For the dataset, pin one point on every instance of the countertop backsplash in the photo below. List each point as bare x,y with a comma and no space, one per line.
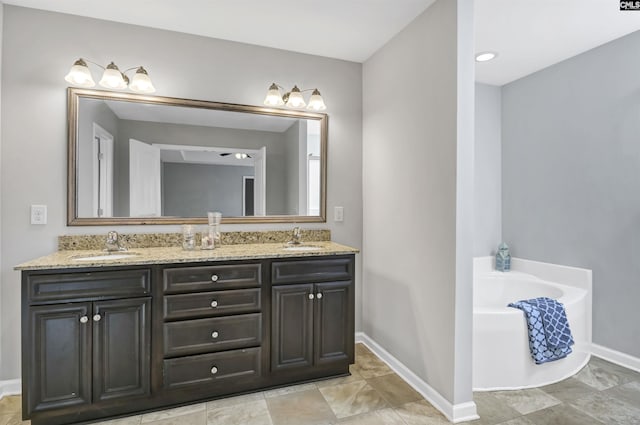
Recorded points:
163,240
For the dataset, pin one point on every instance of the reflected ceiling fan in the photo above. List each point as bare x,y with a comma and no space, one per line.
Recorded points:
238,155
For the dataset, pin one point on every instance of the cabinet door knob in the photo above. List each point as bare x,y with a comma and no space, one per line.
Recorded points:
96,317
214,334
214,277
319,295
311,296
214,304
84,319
214,370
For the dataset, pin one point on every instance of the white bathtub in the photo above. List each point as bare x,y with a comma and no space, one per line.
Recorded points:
501,357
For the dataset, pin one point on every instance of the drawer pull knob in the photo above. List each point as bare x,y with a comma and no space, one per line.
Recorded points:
214,370
97,317
214,304
214,334
214,278
319,295
311,296
84,319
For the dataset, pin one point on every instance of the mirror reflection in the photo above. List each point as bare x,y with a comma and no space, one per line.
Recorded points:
136,158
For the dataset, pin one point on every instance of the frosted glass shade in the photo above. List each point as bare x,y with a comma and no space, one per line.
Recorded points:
112,78
295,98
79,75
141,83
273,96
316,103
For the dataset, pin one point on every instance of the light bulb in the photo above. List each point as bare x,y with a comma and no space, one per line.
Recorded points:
315,101
112,78
79,75
273,96
241,155
295,98
141,83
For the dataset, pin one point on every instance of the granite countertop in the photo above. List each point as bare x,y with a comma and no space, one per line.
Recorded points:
168,255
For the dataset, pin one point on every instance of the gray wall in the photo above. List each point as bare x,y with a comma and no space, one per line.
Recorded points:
488,170
410,178
92,112
3,329
38,50
178,134
571,179
191,190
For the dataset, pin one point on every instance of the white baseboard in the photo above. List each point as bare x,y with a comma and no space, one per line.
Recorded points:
455,413
616,357
10,387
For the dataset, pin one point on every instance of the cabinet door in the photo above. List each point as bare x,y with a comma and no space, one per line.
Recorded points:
291,326
59,359
121,348
334,322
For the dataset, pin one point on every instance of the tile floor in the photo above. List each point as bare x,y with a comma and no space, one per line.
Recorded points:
600,394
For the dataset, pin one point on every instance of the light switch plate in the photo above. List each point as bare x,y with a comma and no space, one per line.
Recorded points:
338,213
38,214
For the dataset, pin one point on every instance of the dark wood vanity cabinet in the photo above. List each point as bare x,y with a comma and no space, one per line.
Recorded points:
89,348
107,341
312,322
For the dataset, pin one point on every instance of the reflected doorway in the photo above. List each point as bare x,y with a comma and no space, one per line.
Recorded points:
248,196
102,172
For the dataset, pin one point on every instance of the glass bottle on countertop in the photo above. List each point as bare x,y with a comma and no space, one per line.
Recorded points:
211,235
188,237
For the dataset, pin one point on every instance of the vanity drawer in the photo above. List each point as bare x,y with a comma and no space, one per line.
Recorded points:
88,285
215,334
311,270
205,304
198,279
228,366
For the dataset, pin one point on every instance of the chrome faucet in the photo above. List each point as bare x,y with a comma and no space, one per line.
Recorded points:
296,236
112,244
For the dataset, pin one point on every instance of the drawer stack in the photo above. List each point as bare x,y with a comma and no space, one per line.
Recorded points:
212,324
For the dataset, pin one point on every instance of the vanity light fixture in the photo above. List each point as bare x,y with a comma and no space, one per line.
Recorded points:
112,77
293,98
485,56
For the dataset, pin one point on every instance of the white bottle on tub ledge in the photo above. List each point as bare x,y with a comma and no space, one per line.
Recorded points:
503,258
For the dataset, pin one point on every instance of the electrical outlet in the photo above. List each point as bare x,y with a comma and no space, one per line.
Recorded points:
38,214
338,213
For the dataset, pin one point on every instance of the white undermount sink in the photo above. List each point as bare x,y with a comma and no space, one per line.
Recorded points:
98,257
302,248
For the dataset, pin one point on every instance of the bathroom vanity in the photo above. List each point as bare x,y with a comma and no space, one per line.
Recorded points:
167,327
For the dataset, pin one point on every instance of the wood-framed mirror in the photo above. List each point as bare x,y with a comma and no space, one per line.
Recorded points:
138,159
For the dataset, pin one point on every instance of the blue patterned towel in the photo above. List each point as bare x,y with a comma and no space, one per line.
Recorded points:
549,334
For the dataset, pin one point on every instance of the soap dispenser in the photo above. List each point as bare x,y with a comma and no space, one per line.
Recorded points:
503,258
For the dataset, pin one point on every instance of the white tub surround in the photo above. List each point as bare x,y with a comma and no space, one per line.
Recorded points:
501,356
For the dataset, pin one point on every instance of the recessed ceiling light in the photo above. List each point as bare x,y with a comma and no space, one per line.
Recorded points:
485,56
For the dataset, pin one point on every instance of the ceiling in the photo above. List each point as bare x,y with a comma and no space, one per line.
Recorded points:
527,34
345,29
170,114
204,155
